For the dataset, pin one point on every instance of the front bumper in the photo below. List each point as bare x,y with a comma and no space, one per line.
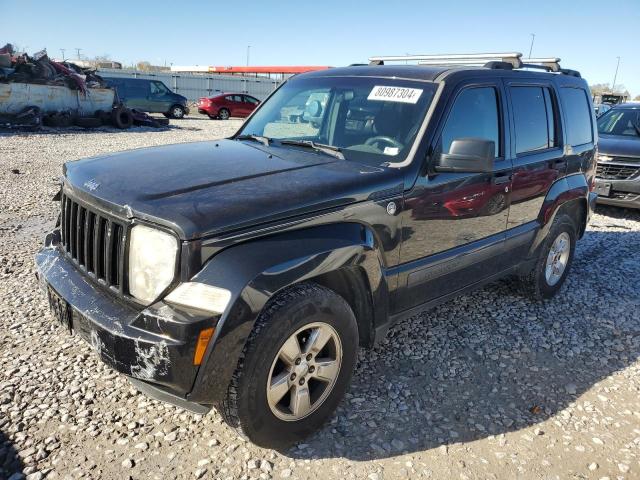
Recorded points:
154,344
622,193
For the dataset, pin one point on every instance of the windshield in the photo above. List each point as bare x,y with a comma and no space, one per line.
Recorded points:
620,121
367,119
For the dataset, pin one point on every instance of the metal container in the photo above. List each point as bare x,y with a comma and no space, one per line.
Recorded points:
53,98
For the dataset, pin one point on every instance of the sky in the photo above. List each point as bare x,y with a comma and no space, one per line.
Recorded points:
584,34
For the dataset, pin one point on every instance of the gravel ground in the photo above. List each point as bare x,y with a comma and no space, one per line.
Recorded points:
489,385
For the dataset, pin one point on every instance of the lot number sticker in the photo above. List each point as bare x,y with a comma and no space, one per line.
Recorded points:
395,94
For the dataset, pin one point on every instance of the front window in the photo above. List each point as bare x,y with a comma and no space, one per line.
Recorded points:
374,119
624,122
473,115
158,88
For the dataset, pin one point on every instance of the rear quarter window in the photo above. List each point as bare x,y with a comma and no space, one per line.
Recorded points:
577,114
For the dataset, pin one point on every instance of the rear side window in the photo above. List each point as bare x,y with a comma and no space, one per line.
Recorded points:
473,115
534,118
578,116
137,88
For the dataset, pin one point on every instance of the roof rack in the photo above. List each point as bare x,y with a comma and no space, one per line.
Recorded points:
505,61
455,59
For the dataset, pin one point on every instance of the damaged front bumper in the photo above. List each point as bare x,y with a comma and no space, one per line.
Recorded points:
153,345
618,193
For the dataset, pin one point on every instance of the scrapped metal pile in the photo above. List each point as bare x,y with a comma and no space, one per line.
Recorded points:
36,90
40,69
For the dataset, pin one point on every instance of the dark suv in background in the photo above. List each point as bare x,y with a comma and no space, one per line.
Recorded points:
618,174
243,274
151,96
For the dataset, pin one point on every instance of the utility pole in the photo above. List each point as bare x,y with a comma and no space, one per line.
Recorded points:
63,50
615,77
78,50
246,84
533,38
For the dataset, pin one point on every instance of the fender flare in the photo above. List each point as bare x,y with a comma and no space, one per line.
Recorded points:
567,189
257,270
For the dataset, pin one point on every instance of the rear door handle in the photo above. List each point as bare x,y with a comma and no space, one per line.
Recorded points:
499,179
559,164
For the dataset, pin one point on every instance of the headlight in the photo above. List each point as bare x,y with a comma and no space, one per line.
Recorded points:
198,295
152,262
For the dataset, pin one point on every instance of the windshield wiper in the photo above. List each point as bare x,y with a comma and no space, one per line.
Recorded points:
256,138
318,147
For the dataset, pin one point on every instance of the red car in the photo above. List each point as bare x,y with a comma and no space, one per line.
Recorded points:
227,105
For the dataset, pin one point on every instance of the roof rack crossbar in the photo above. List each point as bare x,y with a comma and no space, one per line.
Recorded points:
552,64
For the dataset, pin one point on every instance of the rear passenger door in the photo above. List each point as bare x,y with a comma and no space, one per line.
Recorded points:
537,152
232,103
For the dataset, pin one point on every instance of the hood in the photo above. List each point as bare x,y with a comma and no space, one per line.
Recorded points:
619,146
206,188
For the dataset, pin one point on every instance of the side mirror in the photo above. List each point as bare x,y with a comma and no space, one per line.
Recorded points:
472,155
313,109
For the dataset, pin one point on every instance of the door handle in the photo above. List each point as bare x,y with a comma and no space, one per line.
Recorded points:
559,164
500,179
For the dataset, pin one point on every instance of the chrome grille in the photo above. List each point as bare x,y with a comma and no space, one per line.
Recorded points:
95,242
611,171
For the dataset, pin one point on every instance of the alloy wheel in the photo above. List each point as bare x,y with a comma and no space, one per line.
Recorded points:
557,258
304,371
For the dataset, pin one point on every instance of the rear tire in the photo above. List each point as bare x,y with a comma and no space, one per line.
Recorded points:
311,381
554,260
224,114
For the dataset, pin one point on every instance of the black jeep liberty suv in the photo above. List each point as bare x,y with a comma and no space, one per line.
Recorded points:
244,274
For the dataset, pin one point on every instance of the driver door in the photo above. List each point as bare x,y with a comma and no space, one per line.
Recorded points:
454,222
159,99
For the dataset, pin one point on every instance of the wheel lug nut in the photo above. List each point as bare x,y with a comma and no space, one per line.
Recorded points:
298,361
293,376
301,382
309,357
312,369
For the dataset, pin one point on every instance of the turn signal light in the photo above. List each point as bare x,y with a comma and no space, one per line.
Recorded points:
201,346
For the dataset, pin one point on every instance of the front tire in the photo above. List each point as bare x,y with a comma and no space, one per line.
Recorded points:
295,368
554,260
177,111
